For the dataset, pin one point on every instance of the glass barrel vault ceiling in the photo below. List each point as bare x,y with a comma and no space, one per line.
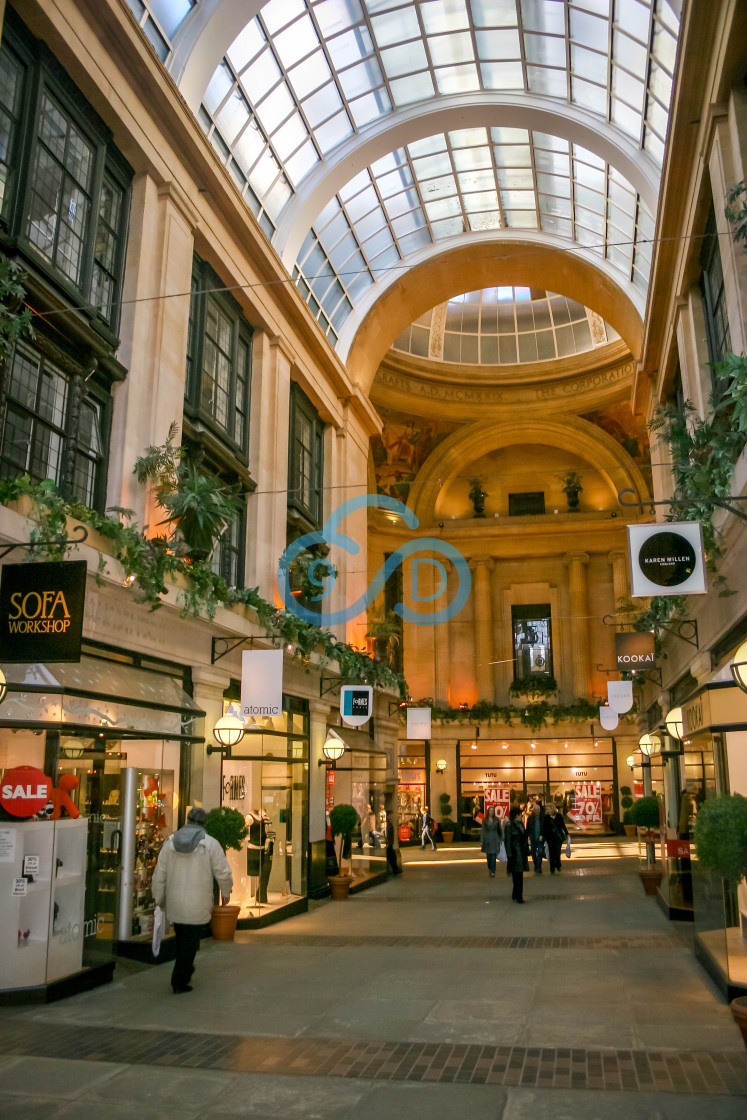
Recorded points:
505,326
306,75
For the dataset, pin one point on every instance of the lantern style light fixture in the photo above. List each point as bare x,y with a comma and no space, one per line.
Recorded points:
630,761
739,667
3,686
441,765
649,744
229,730
675,722
334,747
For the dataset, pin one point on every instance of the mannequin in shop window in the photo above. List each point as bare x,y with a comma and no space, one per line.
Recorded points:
259,851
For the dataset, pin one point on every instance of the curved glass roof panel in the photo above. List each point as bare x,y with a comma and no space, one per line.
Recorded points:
505,326
462,182
304,75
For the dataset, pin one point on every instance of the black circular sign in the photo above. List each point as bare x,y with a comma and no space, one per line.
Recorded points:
667,559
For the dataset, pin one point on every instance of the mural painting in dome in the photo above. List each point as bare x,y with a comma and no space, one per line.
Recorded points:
630,432
401,449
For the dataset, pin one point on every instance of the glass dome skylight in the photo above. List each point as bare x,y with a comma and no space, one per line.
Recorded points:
505,326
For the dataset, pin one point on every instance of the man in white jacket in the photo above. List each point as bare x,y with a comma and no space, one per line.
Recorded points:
183,885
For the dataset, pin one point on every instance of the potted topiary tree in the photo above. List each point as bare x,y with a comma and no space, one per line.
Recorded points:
626,801
447,824
342,819
721,844
645,813
230,829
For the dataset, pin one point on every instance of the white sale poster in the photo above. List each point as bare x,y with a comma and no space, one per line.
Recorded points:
587,809
500,799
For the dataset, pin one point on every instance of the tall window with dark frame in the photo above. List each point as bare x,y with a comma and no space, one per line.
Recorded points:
306,459
532,636
713,293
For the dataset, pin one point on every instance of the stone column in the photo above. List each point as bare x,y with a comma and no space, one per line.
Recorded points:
267,509
209,684
619,563
442,652
577,562
483,623
154,328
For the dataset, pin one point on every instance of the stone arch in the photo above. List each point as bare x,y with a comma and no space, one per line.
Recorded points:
570,433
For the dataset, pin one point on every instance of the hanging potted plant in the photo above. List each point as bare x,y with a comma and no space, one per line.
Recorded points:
571,488
477,496
721,844
229,828
645,813
342,819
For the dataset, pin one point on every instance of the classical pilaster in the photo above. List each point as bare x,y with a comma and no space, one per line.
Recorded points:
267,508
208,686
483,628
442,652
619,564
576,562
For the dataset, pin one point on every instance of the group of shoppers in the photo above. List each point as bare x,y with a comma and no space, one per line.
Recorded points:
542,834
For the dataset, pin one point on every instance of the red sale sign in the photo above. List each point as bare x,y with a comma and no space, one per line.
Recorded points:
587,809
500,799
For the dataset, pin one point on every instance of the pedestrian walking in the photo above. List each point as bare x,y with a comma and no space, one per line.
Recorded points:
391,855
490,838
555,833
535,832
517,854
428,830
183,885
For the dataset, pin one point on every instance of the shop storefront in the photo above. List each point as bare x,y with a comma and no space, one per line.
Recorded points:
413,791
714,762
266,777
361,779
113,733
576,774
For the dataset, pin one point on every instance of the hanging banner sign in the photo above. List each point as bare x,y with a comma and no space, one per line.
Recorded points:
418,723
587,808
607,717
667,559
620,695
261,683
635,650
41,611
500,799
356,704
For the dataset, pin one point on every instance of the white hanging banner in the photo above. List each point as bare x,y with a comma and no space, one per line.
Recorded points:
667,559
620,695
418,723
261,683
607,717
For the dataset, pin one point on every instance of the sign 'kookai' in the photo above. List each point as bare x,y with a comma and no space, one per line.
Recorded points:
41,611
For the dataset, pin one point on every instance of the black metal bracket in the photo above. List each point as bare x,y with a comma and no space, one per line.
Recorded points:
211,749
684,503
229,647
610,620
78,536
691,640
329,684
639,674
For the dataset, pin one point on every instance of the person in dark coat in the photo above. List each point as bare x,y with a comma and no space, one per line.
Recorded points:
517,851
490,838
536,834
391,854
555,833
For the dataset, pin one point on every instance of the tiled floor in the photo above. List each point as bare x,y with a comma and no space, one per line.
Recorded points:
587,1002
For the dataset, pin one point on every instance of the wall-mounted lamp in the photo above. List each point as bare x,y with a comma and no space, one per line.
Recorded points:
441,765
739,667
228,731
630,761
649,744
334,748
675,722
3,686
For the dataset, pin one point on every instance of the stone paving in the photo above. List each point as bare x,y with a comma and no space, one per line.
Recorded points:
430,996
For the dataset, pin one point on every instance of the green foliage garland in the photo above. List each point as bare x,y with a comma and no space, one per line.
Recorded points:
534,716
721,836
533,686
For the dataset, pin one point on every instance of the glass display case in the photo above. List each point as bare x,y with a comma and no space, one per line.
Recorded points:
147,820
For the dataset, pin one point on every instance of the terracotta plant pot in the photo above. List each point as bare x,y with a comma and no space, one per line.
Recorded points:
339,885
448,837
223,921
629,829
739,1011
651,878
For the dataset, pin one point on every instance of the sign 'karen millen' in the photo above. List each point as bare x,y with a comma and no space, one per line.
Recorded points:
41,611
